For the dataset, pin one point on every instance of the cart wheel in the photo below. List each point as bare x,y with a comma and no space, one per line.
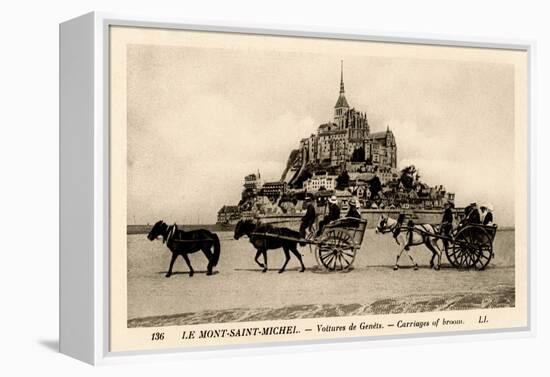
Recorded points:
447,246
451,255
336,251
463,254
472,247
484,246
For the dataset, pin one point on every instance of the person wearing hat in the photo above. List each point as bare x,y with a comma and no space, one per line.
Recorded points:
487,214
309,218
333,214
468,209
447,220
353,211
471,214
474,217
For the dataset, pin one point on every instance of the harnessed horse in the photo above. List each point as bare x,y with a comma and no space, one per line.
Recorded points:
407,236
182,243
262,243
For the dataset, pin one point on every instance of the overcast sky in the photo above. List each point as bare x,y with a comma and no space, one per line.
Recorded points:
200,119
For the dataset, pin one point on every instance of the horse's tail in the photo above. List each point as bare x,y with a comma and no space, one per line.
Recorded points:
216,254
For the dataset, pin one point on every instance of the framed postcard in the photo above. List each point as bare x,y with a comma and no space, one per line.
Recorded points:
227,187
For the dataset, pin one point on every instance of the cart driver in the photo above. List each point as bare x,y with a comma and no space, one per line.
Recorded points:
447,220
309,218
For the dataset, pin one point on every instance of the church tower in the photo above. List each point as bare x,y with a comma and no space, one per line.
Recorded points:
341,107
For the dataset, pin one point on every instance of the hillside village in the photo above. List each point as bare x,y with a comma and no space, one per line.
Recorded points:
343,158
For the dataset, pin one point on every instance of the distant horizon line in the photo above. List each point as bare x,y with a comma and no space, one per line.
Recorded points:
500,227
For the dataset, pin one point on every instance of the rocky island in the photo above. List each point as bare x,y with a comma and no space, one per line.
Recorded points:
345,158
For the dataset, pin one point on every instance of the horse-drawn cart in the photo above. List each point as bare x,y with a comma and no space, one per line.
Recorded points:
468,246
337,245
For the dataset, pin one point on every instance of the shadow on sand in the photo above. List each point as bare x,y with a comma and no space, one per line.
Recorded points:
186,272
291,269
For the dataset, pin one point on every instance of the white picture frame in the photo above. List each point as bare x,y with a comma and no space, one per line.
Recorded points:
84,185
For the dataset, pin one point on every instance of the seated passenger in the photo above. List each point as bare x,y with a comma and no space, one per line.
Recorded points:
333,214
487,214
471,215
354,209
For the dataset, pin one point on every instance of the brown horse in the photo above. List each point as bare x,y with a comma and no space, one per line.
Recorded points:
182,243
262,243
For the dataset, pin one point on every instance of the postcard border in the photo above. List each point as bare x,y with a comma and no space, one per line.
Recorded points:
102,161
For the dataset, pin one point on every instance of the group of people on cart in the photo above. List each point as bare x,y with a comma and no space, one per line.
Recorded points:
333,214
472,215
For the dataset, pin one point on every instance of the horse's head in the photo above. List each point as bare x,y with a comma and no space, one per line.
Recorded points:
382,223
157,230
243,227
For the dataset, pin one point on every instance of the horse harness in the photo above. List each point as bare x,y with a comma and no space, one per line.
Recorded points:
170,233
410,228
171,236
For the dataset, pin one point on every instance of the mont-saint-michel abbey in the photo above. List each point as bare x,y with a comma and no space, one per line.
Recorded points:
345,158
346,143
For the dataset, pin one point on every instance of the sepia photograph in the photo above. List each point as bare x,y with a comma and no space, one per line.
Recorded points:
270,178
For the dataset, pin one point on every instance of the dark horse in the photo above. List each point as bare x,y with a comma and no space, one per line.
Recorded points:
182,243
264,243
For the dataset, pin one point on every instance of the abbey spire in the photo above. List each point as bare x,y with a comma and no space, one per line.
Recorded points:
342,105
341,77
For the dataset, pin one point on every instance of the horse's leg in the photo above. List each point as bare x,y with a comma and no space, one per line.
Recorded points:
287,258
258,253
191,271
439,252
412,260
264,252
408,248
208,253
396,267
299,256
429,245
174,257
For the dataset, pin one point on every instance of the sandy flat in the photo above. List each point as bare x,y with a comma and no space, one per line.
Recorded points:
239,291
